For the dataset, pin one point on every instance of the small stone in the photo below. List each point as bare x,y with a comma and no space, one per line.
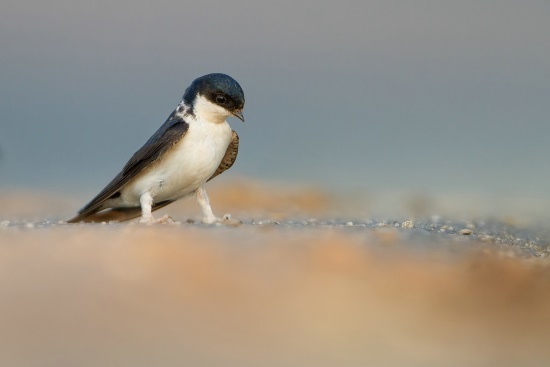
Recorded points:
5,223
407,224
466,231
349,224
29,225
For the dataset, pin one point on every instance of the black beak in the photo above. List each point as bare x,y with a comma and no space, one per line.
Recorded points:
239,114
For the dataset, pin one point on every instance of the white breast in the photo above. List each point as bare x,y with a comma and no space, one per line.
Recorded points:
185,167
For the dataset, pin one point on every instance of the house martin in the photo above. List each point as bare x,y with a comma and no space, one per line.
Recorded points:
193,146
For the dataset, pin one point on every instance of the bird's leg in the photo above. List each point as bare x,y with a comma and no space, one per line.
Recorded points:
146,201
204,203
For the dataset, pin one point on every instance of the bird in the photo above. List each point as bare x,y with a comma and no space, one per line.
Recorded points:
194,145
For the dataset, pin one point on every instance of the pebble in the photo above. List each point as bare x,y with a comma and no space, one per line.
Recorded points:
349,224
466,231
407,224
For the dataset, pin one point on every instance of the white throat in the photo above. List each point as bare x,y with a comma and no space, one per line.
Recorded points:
205,110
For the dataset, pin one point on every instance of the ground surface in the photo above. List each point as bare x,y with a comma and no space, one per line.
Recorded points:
273,291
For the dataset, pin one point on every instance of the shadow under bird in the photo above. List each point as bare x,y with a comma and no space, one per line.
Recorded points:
193,146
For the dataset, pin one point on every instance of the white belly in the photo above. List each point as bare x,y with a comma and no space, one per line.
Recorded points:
185,167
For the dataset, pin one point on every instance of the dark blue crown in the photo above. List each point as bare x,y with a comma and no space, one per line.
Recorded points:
213,84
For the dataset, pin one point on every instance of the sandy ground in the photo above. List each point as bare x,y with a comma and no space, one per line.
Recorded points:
261,294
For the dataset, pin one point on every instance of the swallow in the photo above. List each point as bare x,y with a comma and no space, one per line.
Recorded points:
193,146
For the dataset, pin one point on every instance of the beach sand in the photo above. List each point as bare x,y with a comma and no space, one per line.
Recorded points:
270,292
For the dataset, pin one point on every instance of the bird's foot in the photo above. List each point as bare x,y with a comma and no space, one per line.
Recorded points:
152,220
226,220
210,219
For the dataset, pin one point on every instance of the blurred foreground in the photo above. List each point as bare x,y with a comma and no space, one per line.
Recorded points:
262,294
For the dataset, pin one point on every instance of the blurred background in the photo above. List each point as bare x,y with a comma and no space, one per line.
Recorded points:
442,100
353,108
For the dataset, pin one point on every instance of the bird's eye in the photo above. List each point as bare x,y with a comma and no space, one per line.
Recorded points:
220,99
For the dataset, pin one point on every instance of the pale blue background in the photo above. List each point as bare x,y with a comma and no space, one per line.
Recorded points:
436,96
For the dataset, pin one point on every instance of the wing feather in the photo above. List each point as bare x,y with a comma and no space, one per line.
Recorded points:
164,138
230,155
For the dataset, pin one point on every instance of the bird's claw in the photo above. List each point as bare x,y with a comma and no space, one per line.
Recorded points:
150,220
225,220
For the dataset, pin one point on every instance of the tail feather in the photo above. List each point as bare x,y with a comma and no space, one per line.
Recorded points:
115,214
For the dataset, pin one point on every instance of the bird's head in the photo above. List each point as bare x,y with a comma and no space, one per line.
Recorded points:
215,97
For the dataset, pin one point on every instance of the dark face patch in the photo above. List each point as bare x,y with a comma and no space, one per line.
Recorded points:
224,100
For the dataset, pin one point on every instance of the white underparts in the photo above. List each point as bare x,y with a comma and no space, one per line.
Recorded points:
186,167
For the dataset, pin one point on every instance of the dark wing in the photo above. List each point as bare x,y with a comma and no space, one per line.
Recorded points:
116,214
162,140
230,155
